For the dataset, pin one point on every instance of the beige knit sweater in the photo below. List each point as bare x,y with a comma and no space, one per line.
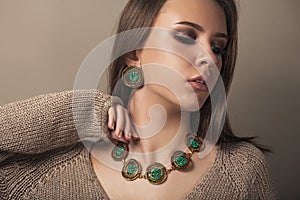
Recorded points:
42,157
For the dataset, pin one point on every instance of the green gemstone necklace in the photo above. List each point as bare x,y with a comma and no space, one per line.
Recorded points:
156,173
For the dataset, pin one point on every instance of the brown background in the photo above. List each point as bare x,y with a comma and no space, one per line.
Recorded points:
43,42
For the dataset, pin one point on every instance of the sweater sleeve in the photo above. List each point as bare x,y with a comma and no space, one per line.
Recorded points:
50,121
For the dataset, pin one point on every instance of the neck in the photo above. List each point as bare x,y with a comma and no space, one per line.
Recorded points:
162,126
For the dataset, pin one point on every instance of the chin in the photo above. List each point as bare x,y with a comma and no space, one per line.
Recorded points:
191,106
191,103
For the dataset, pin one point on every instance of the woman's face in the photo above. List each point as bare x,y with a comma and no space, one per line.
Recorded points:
196,27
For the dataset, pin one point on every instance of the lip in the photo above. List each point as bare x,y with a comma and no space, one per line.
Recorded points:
197,78
198,85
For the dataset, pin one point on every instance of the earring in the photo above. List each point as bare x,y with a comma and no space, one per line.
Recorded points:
133,77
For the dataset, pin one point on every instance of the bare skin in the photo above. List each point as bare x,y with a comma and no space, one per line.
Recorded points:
211,18
178,185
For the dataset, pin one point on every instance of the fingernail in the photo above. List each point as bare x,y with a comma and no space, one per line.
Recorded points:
120,135
136,138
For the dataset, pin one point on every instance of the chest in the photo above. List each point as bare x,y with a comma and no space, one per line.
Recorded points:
178,185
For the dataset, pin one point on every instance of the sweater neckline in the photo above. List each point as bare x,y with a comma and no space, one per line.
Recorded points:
216,163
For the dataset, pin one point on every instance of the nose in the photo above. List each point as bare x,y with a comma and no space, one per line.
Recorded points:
204,63
202,59
205,56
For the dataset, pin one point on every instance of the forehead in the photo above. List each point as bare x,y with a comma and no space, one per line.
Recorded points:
206,13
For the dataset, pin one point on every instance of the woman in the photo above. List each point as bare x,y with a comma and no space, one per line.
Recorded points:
42,158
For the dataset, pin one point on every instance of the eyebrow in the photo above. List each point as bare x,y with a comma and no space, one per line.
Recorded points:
200,28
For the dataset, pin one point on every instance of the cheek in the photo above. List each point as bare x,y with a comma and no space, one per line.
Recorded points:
219,63
150,56
162,57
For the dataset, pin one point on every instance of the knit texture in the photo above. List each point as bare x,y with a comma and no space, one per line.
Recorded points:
42,156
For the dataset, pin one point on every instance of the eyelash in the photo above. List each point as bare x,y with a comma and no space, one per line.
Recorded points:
190,39
218,51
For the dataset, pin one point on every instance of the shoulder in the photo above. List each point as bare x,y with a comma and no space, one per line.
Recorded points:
244,162
243,152
247,168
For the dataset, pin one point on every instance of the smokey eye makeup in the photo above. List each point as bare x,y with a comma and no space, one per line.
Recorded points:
187,37
217,48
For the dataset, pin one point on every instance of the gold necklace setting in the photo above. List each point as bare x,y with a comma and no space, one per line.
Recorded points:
156,173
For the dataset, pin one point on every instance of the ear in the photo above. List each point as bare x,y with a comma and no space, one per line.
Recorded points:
132,58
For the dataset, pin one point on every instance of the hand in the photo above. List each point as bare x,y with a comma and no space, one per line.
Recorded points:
120,124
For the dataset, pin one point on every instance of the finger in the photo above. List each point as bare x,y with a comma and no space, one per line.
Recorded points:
127,126
135,136
133,129
118,135
122,139
119,123
120,119
127,136
121,136
134,132
130,132
111,118
118,132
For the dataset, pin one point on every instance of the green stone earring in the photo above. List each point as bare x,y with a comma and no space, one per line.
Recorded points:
133,77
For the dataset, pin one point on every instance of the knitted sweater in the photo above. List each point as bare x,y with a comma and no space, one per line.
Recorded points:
42,156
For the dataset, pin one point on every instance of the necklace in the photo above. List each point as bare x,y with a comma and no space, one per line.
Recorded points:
156,173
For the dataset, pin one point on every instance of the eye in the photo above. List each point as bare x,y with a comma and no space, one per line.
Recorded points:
189,39
217,50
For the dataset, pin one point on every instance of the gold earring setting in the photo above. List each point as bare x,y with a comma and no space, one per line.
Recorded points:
133,77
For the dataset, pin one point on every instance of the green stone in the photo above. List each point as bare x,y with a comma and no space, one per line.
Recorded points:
131,169
156,173
133,76
194,143
120,151
181,161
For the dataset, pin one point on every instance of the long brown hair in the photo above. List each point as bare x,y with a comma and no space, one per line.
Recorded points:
142,13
